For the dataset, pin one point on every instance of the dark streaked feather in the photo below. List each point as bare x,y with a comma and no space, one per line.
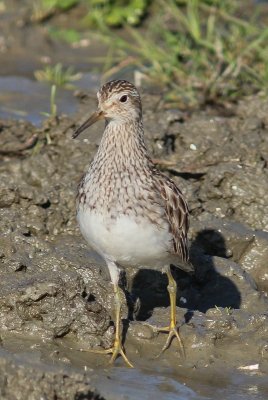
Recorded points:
177,213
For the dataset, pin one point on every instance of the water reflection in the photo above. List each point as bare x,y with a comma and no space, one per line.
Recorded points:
23,98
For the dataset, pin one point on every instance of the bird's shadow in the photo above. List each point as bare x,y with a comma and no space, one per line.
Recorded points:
206,289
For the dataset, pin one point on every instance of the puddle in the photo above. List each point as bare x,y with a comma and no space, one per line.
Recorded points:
148,382
127,384
23,98
123,383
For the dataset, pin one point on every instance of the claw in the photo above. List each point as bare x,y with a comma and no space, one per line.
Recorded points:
116,350
172,332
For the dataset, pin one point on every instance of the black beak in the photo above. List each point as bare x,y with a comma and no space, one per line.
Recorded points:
94,118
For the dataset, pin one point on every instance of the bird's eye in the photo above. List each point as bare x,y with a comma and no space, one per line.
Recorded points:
123,99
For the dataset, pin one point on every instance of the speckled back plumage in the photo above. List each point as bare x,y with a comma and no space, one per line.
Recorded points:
122,181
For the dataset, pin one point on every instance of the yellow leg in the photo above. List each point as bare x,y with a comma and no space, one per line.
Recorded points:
172,329
117,347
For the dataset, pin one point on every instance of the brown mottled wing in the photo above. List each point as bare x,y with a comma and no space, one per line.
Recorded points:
81,195
177,213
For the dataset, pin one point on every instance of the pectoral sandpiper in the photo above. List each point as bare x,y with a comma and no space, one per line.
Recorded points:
128,211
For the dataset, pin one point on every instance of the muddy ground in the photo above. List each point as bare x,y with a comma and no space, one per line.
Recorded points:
55,295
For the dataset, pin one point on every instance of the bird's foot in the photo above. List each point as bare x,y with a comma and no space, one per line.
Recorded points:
172,331
115,350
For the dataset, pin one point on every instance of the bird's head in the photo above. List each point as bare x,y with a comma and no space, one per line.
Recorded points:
118,101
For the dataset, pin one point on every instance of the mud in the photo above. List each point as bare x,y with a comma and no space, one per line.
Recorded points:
56,300
55,295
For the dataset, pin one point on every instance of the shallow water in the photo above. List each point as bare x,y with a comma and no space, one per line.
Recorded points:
147,381
23,98
122,383
144,384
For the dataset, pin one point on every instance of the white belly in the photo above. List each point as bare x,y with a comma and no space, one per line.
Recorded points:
125,240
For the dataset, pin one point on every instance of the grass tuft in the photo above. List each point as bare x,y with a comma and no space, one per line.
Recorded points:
58,76
200,50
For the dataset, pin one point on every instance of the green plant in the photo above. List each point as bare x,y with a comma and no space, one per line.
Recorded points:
58,75
200,50
60,4
43,9
67,35
53,105
226,310
53,109
115,13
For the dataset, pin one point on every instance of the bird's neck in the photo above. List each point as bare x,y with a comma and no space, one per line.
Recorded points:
122,145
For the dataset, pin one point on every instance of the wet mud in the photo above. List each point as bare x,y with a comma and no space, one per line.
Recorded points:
56,300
